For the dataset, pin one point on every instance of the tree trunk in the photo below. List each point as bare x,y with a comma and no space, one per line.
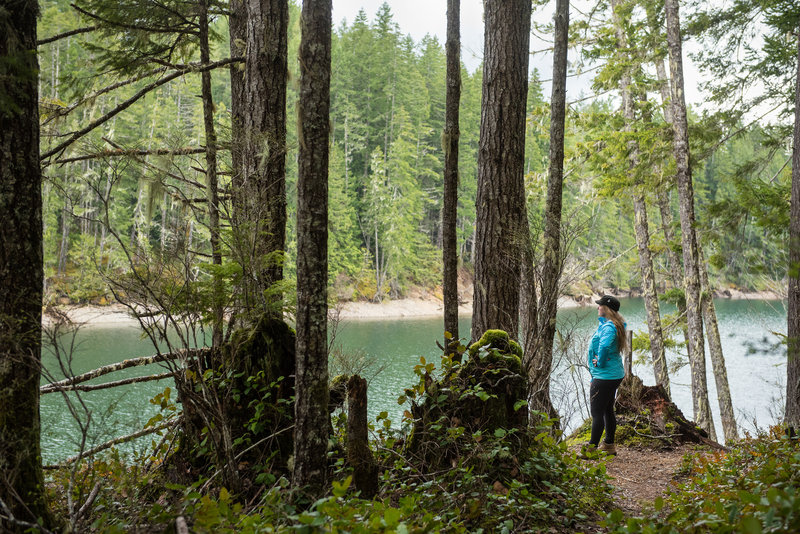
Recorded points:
793,327
450,145
21,270
641,229
501,192
694,319
640,224
715,349
264,152
211,174
539,317
237,29
311,405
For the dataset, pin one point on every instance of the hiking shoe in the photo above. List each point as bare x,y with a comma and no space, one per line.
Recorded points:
608,448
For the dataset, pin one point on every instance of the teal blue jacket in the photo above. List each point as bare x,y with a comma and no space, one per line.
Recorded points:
605,348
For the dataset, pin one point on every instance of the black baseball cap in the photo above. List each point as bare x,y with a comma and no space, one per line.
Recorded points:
608,300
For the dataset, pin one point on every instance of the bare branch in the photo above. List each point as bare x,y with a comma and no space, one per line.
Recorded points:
139,94
108,89
8,516
115,441
124,364
54,38
94,387
131,152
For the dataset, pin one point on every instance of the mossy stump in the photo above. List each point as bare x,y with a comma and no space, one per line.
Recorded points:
648,419
245,386
484,393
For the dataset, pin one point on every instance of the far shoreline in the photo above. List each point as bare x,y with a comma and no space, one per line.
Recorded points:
429,306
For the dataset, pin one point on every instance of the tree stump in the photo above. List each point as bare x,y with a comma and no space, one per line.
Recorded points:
359,455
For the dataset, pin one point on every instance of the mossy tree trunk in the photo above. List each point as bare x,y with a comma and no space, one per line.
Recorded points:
311,383
694,319
21,269
211,173
500,200
263,159
450,145
726,414
237,31
640,223
793,327
539,316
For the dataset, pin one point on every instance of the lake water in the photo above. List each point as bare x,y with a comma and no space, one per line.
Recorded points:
749,329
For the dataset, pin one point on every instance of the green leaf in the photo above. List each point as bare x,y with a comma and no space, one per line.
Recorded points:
750,525
392,517
340,488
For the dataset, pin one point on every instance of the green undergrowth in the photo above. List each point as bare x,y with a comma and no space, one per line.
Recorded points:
751,489
501,480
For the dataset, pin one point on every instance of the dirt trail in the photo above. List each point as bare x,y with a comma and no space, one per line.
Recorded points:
640,476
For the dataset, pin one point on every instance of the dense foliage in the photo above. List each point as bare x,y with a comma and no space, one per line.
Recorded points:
386,167
753,488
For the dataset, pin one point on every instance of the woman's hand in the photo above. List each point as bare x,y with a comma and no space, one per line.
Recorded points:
594,362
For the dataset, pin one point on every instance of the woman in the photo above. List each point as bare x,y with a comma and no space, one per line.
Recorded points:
605,365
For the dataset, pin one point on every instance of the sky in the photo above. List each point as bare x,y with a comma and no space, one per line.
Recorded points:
421,17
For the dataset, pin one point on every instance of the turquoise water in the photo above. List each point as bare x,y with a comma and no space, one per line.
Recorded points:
749,328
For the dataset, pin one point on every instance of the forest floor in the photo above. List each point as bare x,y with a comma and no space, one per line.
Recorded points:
641,476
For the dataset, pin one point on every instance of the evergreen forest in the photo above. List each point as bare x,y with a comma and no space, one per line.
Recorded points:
233,173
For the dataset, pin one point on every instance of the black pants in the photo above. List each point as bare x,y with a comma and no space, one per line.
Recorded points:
602,395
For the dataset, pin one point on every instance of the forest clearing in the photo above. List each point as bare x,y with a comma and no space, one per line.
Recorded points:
233,182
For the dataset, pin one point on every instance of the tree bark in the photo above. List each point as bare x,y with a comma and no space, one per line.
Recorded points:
450,145
311,405
702,409
211,174
793,326
237,30
720,372
359,455
501,192
539,316
640,225
641,229
263,158
21,269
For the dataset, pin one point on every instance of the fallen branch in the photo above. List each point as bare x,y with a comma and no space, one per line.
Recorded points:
124,364
111,443
51,388
88,504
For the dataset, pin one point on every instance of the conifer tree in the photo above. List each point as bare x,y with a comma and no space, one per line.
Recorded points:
22,492
500,231
702,410
450,140
311,381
